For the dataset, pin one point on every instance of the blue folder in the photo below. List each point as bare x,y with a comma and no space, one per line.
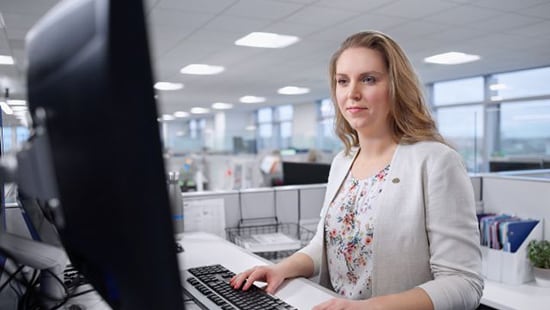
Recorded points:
518,232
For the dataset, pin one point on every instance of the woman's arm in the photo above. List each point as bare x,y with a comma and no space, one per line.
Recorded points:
414,299
453,234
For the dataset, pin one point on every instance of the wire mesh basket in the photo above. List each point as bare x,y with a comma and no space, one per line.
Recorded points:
271,241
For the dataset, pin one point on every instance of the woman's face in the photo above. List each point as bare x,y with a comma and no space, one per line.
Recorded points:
362,90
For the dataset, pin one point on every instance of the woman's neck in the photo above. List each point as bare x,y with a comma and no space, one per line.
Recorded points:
374,155
375,147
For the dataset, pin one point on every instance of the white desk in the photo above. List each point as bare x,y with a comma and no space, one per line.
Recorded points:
207,249
526,296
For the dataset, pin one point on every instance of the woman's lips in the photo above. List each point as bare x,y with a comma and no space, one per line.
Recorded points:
353,110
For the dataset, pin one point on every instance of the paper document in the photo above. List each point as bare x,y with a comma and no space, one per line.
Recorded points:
268,242
206,215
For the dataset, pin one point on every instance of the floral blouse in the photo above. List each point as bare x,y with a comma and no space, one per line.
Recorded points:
349,227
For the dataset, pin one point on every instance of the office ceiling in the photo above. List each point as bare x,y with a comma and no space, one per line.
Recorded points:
507,34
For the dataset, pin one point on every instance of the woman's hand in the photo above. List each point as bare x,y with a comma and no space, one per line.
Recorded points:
341,304
270,274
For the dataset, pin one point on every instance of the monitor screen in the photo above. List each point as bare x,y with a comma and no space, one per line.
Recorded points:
91,98
297,173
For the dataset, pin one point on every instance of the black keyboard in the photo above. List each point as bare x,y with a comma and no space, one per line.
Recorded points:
213,282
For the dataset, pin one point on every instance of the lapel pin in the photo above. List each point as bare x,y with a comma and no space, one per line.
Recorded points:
395,180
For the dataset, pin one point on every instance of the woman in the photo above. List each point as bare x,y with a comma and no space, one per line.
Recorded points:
398,228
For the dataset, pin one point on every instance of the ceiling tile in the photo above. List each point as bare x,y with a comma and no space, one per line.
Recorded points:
505,21
354,5
205,6
238,25
462,15
321,17
264,9
178,18
542,10
414,9
511,6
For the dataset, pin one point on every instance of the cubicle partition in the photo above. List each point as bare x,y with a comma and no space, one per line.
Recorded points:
522,194
217,210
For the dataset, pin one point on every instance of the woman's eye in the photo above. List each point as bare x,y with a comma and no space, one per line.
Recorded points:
341,81
369,80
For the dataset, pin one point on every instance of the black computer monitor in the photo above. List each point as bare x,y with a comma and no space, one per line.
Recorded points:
90,94
297,173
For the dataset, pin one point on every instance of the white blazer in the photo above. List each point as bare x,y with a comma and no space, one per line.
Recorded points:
426,231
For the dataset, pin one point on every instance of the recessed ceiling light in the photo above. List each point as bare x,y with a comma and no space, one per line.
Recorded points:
6,60
250,128
18,108
451,58
6,108
498,86
496,98
251,99
201,69
181,114
167,117
199,110
168,86
13,102
266,40
221,106
293,90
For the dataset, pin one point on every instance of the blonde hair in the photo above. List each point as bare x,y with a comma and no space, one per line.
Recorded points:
409,118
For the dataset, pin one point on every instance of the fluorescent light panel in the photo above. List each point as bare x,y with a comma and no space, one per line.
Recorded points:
202,69
168,86
199,110
293,90
6,60
221,106
267,40
181,114
251,99
451,58
14,102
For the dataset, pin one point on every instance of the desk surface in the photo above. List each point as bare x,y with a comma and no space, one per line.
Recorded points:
511,297
206,249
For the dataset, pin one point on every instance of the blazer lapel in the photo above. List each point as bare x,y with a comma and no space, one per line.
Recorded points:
339,174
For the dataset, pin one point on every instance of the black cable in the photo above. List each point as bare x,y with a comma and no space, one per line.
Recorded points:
30,296
82,293
11,277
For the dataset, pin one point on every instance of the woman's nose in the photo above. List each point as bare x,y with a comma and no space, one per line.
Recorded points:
354,92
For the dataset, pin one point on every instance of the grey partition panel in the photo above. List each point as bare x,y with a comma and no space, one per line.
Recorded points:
231,204
525,198
476,183
258,203
287,205
311,201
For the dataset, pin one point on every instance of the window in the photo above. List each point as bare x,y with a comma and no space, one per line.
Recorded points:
465,135
460,122
275,127
284,116
458,91
13,137
6,139
265,128
326,138
520,84
525,129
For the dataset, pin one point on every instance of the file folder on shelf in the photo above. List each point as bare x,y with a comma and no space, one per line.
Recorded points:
510,267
